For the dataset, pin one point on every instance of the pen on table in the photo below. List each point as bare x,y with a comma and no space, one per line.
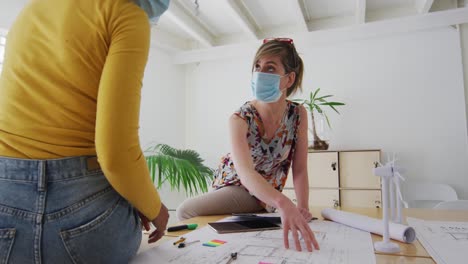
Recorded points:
232,257
182,227
184,244
181,239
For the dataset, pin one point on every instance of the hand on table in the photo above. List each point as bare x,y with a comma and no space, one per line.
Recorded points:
294,220
160,222
305,213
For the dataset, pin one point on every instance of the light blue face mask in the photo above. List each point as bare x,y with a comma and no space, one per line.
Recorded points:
153,8
265,86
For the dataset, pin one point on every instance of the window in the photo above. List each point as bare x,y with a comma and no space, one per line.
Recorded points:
2,49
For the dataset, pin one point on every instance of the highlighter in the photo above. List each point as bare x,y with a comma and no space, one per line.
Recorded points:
182,227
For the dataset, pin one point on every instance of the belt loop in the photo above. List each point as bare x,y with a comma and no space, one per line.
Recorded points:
41,181
92,164
83,165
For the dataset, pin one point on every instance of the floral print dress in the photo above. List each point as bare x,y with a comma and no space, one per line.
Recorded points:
271,158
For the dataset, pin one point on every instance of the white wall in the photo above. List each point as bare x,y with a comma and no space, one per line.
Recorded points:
404,94
464,52
162,111
162,103
8,12
214,90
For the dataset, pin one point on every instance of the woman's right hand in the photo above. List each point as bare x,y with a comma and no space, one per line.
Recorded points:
293,220
305,213
160,222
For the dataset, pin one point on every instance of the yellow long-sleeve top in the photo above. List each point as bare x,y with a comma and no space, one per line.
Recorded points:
71,86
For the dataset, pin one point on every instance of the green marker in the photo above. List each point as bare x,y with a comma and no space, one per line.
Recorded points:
182,227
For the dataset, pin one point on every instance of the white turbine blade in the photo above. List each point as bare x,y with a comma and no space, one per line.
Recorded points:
398,169
398,191
405,204
399,176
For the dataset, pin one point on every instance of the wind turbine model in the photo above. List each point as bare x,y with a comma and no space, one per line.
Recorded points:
390,184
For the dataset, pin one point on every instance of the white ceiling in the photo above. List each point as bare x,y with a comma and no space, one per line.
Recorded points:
195,24
191,25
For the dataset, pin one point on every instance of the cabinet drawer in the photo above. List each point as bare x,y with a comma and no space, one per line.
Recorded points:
356,169
324,197
361,198
317,197
322,168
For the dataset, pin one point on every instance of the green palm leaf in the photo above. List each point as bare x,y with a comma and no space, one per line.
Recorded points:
318,102
321,98
179,168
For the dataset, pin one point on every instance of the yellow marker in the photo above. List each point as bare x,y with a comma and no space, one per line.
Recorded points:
181,239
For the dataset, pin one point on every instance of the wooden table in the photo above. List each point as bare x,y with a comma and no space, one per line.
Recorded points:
415,249
410,253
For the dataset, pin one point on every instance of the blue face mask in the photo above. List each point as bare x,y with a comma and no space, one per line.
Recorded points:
265,87
153,8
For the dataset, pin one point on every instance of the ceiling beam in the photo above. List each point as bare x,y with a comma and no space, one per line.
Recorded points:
167,41
188,24
242,19
423,6
337,35
390,27
216,53
301,14
360,12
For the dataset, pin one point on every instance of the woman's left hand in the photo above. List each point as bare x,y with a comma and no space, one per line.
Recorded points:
160,223
305,213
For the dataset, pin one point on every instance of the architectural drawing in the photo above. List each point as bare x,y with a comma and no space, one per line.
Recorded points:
446,242
457,232
338,244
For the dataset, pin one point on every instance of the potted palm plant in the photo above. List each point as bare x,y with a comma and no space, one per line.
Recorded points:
179,168
315,104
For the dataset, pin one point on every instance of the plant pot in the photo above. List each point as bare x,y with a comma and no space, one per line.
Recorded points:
319,145
319,132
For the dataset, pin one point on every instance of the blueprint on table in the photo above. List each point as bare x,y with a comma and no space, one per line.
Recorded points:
446,242
338,244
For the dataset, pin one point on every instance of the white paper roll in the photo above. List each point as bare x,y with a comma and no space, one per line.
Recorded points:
399,232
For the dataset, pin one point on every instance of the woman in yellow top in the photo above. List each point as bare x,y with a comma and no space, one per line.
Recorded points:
72,174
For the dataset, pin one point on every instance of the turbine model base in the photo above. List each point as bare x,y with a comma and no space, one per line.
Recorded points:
386,247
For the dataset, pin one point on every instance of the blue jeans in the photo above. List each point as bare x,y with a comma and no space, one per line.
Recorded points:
63,211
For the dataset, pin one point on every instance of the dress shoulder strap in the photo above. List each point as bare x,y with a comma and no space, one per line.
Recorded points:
246,112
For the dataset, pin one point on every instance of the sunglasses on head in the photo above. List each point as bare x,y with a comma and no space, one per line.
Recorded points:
287,40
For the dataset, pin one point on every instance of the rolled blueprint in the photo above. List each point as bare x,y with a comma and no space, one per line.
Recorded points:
399,232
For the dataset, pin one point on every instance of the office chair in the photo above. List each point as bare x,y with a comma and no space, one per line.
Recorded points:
453,205
426,194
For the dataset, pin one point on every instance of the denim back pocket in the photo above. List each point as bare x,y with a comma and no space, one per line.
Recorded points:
7,237
112,237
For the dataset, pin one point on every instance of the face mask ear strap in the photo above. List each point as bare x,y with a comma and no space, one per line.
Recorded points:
153,8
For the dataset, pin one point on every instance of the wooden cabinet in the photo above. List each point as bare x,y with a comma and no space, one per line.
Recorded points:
341,178
317,197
